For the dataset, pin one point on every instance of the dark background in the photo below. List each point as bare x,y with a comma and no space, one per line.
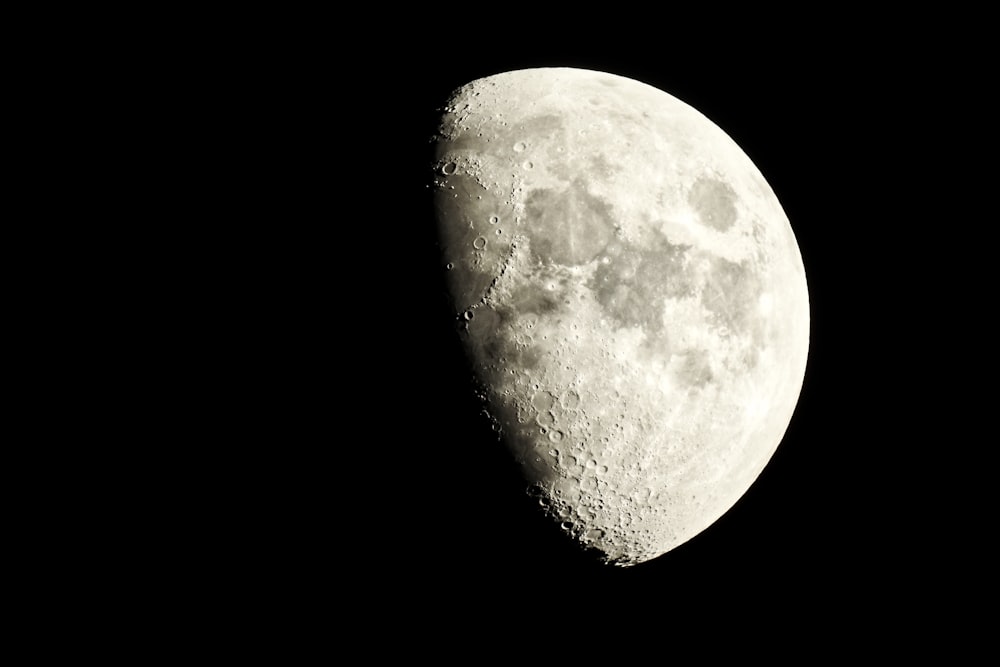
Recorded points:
371,484
288,454
842,513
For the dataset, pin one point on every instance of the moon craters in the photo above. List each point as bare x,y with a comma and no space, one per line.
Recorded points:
571,399
633,305
543,401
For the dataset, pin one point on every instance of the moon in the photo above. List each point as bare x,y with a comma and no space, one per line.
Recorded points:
630,296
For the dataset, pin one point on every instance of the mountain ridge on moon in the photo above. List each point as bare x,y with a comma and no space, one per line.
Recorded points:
630,296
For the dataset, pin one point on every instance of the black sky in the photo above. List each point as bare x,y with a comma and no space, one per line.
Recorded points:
854,141
826,510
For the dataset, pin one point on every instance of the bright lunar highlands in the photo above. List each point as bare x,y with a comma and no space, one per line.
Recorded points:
630,295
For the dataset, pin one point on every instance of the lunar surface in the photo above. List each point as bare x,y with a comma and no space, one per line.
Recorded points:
630,295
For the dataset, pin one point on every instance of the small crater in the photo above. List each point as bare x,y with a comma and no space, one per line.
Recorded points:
556,436
449,168
528,165
494,219
520,146
479,243
571,399
543,400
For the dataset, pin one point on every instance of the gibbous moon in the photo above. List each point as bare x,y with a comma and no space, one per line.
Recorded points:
630,295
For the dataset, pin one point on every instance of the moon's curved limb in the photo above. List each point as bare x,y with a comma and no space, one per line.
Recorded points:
632,299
